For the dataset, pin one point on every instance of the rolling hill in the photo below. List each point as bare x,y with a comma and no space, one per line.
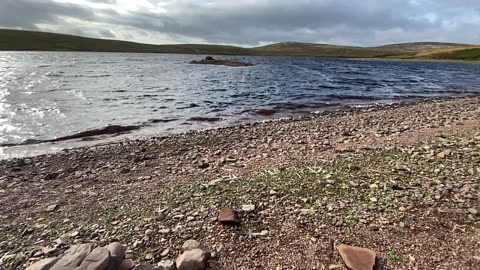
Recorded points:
18,40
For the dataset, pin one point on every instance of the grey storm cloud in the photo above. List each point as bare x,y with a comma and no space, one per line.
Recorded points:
250,22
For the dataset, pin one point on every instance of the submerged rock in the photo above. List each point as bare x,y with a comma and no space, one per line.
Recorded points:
229,63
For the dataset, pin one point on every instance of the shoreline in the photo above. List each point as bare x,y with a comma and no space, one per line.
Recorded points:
337,164
332,111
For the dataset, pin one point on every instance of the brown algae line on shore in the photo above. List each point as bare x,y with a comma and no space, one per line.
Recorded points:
377,177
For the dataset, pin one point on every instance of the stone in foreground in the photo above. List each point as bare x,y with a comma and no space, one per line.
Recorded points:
126,264
357,258
73,257
44,264
116,255
195,259
97,260
228,216
166,265
191,244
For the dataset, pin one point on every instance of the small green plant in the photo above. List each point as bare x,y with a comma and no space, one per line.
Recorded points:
394,257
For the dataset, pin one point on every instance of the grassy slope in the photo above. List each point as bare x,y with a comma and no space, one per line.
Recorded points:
471,53
40,41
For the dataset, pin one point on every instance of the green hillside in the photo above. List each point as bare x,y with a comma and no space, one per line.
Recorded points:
42,41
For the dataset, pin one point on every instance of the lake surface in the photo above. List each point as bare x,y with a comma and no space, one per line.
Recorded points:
45,97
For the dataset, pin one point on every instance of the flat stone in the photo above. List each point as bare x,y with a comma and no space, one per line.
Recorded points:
472,211
164,231
166,265
44,264
127,264
357,258
97,260
248,208
228,216
191,244
195,259
52,208
73,257
117,253
307,212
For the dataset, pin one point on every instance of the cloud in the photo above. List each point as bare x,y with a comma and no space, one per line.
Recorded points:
252,22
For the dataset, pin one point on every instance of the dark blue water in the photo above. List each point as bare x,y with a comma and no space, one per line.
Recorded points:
51,96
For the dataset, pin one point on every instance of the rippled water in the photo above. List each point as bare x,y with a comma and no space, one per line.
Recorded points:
44,96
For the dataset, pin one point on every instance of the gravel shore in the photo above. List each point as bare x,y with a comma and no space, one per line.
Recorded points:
402,180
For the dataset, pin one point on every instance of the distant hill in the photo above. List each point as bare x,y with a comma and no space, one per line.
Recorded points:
471,53
42,41
420,46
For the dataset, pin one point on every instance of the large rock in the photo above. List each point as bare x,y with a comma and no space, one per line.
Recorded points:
97,260
117,253
44,264
195,259
191,244
228,216
73,257
357,258
126,264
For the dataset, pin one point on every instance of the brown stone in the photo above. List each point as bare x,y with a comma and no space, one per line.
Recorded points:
44,264
228,216
357,258
97,260
195,259
73,257
127,264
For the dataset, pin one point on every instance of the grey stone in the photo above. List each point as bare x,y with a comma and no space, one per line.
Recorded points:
127,264
195,259
97,260
144,266
73,257
117,253
191,244
44,264
166,265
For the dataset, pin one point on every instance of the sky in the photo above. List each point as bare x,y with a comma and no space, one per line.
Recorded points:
251,22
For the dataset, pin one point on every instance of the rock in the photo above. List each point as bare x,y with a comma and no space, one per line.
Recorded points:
97,260
52,208
191,244
228,216
73,257
373,199
126,265
441,155
49,250
164,231
373,186
472,211
165,252
209,58
144,266
195,259
117,253
149,256
307,212
51,176
166,265
248,208
44,264
357,258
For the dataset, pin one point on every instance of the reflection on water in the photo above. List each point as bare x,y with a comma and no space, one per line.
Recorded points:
44,96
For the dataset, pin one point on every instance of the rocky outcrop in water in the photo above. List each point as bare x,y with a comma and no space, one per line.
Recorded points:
229,63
